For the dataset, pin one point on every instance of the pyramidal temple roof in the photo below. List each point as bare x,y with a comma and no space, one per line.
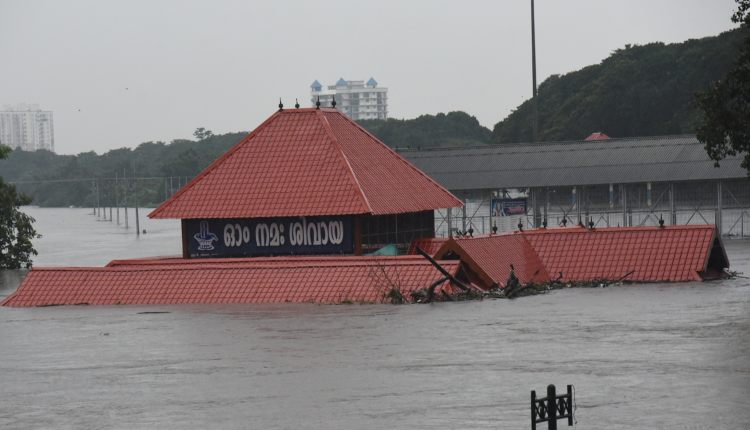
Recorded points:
305,162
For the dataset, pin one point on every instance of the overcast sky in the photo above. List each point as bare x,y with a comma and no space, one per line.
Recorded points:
120,73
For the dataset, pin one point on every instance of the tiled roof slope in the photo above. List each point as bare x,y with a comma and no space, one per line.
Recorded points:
304,162
674,253
430,245
171,281
641,254
490,257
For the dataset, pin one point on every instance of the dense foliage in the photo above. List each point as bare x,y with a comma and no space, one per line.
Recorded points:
72,180
16,228
725,126
429,131
637,91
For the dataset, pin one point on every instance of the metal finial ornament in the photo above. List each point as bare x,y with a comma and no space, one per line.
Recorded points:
281,105
471,232
520,225
317,103
333,102
296,104
564,221
661,221
494,228
544,224
591,224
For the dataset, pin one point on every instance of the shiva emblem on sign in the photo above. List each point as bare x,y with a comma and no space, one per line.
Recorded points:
205,238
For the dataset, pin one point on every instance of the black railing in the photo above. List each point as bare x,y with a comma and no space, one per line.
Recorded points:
552,408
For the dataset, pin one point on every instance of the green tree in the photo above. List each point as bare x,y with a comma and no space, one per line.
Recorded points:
16,229
725,126
201,133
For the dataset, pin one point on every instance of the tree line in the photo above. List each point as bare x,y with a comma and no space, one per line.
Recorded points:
636,91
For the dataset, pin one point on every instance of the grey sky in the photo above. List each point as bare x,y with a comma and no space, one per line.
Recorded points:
223,64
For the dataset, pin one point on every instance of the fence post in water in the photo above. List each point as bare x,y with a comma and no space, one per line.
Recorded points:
551,407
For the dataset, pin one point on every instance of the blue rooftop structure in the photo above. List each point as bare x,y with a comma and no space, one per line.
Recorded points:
372,82
316,86
341,83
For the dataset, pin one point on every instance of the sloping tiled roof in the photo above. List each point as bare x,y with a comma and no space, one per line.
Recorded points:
430,245
173,281
674,253
305,162
597,136
490,257
643,254
550,164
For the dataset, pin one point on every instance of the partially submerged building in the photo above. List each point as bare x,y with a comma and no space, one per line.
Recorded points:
299,209
306,181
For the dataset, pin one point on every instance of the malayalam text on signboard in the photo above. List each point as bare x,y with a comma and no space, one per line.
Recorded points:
270,236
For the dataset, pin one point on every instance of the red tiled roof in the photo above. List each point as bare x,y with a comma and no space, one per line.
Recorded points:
429,245
490,257
172,281
597,136
674,253
304,162
652,254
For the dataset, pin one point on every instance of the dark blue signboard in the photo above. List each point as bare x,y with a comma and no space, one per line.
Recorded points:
269,236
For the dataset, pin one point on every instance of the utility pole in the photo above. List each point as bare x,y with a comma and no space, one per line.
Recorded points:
117,200
534,101
125,199
135,203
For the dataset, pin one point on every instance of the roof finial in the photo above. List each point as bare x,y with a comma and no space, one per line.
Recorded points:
317,103
333,102
281,105
296,104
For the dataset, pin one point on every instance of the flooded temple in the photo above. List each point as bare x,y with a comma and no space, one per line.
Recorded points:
310,207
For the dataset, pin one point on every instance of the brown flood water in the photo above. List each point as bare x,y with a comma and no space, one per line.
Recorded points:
640,356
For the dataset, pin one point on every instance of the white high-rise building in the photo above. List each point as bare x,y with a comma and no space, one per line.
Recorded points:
27,127
357,99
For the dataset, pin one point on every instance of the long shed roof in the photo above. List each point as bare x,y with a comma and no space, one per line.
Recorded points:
610,161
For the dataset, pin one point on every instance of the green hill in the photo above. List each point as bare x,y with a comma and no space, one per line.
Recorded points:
428,131
637,91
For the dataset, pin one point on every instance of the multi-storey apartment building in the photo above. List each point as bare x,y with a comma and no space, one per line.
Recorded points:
357,99
27,127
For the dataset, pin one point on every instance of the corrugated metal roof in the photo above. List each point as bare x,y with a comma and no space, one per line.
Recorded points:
611,161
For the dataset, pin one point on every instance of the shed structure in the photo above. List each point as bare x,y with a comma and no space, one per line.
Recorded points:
627,182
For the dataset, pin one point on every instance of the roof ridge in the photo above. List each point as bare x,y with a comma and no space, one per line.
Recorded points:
402,159
213,165
327,127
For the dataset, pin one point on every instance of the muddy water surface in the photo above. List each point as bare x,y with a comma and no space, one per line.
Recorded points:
640,357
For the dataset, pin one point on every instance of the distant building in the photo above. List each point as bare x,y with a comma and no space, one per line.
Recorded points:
27,127
357,99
